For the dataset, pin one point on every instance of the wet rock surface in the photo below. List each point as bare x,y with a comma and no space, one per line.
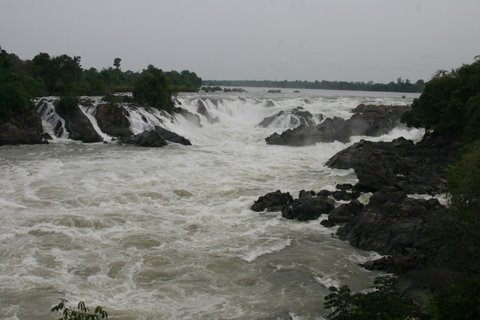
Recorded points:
297,117
368,120
79,127
22,128
113,120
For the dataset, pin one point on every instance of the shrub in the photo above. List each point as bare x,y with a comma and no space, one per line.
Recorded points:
460,301
153,89
385,302
81,313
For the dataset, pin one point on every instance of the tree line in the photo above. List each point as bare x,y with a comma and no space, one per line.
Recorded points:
45,75
399,86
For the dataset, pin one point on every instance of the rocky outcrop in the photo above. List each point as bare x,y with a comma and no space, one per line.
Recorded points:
396,225
414,168
202,109
79,127
346,212
297,117
21,128
308,206
367,120
113,120
273,201
150,138
172,136
191,117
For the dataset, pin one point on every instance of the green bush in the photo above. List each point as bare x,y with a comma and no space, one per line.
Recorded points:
459,228
383,303
153,89
460,301
449,104
80,313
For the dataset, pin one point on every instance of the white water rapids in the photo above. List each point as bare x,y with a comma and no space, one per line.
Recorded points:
167,233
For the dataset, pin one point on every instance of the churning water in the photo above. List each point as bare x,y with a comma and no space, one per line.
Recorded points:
167,233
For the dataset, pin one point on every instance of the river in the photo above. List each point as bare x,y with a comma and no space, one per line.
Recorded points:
167,233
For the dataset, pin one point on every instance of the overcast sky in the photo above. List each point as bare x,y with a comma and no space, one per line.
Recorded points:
352,40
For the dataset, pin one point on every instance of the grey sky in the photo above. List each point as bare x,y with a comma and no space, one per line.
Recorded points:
377,40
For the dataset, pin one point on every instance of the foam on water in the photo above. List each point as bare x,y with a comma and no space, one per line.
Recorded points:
167,233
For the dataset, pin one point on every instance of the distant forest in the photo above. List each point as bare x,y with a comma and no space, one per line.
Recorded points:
399,86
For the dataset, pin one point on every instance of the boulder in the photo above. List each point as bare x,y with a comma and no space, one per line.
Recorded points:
113,120
327,223
21,128
415,168
172,136
79,126
273,201
345,212
308,207
146,139
393,224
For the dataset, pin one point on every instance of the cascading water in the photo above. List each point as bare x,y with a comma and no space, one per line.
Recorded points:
167,233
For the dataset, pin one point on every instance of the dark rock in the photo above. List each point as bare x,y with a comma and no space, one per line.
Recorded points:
22,128
367,120
79,127
202,109
327,223
344,195
172,136
324,193
393,224
345,212
146,139
298,116
416,168
274,91
46,136
193,118
306,194
113,120
309,207
344,186
269,104
382,264
273,201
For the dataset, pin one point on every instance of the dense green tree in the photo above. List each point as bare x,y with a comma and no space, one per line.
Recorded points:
152,89
116,63
58,73
449,103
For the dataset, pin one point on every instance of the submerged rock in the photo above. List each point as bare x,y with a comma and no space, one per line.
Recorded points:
21,128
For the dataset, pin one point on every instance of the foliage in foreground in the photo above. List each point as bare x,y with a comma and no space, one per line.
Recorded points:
80,313
383,303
